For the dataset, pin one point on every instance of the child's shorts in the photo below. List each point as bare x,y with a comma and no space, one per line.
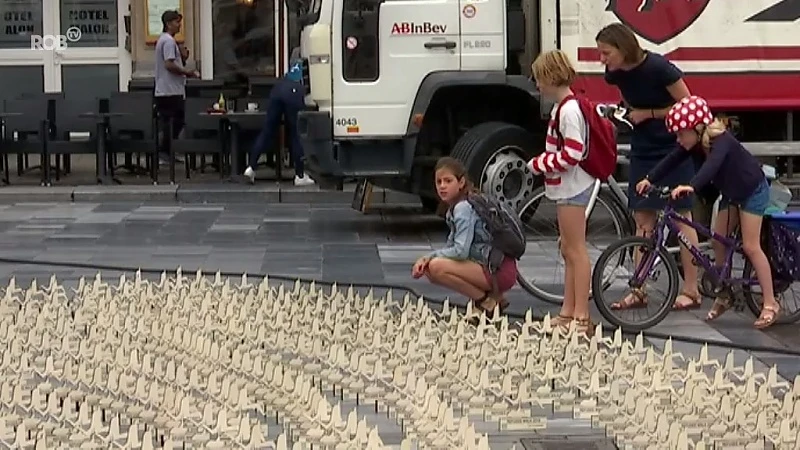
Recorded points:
506,275
756,204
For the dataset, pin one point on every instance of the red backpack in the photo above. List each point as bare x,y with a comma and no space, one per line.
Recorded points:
601,154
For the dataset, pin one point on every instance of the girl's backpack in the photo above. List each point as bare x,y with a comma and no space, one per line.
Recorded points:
503,225
600,159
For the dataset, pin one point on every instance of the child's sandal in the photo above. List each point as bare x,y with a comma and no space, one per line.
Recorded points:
636,299
720,306
560,321
769,315
584,326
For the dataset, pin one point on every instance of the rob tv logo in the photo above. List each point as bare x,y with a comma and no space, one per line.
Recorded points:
55,41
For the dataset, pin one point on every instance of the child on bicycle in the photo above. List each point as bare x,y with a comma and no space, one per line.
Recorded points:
462,265
566,182
737,175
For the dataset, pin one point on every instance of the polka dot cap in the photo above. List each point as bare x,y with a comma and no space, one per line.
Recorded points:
688,113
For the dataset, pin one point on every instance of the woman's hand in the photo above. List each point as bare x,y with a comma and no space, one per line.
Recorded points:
681,191
420,267
638,116
643,186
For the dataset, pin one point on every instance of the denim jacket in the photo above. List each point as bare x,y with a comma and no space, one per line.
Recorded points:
468,239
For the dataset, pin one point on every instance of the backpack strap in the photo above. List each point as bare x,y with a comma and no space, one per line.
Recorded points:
557,121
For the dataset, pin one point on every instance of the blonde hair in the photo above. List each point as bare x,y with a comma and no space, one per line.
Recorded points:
554,68
710,132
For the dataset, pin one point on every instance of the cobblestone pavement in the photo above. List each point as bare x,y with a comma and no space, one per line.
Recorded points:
329,242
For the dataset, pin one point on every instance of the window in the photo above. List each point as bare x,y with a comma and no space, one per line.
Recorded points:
360,40
244,39
19,19
96,20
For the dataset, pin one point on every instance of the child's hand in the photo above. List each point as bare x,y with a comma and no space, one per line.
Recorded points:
681,191
643,186
420,267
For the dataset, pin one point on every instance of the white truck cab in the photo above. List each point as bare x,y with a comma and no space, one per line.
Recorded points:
395,84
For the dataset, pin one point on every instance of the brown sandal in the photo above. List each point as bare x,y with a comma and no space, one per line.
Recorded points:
636,299
584,326
560,321
769,315
720,306
695,302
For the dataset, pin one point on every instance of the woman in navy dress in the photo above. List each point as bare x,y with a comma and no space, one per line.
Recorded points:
649,85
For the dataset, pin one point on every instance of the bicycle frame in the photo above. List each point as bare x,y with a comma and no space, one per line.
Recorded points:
670,221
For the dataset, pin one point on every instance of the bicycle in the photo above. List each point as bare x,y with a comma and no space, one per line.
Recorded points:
653,251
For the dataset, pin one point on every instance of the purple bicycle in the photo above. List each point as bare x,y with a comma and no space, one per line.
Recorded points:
650,254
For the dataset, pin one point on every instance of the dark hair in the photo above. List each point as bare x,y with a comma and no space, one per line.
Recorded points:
621,37
168,16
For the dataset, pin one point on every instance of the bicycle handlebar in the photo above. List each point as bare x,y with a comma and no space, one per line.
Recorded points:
663,192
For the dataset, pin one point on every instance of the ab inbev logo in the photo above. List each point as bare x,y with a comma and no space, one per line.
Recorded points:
55,41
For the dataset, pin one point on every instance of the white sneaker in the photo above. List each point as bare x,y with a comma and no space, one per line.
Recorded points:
305,180
250,174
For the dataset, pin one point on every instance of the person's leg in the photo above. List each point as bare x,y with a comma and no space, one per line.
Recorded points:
267,134
293,109
689,298
645,222
750,216
726,222
465,277
164,111
178,119
572,228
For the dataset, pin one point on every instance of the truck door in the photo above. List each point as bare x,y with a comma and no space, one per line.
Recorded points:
483,42
382,52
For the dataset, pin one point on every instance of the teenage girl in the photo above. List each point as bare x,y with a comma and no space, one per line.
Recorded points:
566,182
738,176
462,265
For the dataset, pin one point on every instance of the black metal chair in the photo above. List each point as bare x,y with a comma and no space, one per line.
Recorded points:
25,134
202,135
135,133
73,134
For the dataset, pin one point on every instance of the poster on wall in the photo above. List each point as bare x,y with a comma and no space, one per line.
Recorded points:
155,8
19,19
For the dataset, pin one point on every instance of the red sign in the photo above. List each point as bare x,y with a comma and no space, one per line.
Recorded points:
418,28
658,20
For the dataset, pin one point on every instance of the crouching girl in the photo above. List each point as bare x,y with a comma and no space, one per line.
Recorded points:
462,264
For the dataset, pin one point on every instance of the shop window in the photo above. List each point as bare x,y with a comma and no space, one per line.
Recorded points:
94,21
244,39
19,19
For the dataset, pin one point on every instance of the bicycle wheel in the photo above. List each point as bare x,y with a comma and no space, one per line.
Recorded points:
541,270
619,286
786,292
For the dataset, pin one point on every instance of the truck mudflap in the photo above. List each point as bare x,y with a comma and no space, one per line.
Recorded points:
316,137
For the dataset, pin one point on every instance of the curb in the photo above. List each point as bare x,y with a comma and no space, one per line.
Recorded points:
196,193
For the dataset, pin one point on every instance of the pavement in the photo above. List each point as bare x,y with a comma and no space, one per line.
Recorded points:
277,229
318,241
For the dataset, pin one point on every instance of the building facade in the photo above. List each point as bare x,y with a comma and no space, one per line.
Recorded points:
92,47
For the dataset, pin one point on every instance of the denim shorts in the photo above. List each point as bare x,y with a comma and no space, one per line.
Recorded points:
756,204
581,199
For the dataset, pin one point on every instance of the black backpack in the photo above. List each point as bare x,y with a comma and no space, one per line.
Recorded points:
503,224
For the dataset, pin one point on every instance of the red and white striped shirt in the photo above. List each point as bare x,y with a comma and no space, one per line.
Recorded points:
564,177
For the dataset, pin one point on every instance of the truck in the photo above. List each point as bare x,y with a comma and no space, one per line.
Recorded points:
393,85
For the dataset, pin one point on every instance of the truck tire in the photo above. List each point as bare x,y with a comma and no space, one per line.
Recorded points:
496,155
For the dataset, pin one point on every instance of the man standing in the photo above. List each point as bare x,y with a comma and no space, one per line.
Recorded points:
171,74
285,101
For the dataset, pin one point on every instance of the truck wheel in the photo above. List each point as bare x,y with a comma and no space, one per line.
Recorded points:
496,155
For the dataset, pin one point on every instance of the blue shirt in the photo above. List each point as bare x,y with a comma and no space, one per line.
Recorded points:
729,166
468,239
295,72
645,87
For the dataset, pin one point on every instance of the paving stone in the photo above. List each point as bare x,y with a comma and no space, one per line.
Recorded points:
229,192
132,193
12,194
